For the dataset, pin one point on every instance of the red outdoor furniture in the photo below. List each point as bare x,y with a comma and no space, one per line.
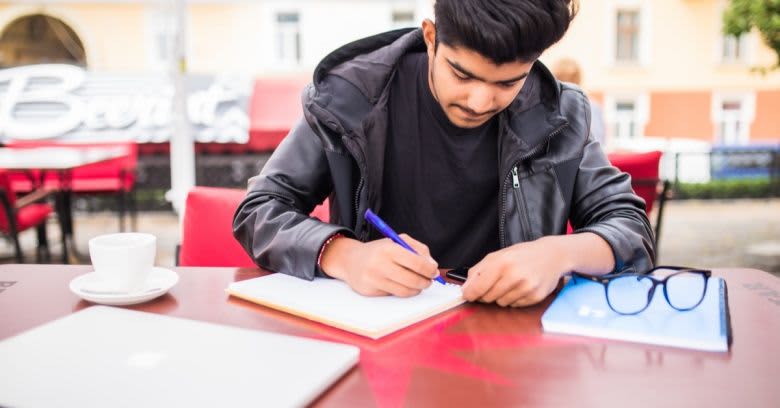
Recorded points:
110,177
207,234
20,214
644,171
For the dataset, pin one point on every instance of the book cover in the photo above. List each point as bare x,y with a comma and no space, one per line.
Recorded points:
581,309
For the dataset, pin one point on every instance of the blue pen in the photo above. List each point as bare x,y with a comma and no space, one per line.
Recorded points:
389,233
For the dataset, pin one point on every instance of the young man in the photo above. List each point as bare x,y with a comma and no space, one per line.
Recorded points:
457,136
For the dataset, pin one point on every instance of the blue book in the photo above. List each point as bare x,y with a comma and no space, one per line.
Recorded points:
581,309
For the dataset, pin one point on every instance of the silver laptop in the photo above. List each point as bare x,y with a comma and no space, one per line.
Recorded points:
112,357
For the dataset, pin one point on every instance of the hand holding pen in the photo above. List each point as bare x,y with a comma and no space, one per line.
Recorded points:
388,232
380,267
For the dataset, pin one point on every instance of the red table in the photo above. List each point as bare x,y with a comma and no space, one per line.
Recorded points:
474,355
61,161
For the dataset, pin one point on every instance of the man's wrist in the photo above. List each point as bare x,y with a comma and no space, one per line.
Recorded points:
583,252
565,249
333,255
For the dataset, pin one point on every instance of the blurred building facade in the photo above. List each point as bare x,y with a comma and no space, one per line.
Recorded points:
659,67
663,68
262,37
123,52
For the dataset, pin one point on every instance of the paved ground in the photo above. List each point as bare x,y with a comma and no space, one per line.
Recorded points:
720,233
694,233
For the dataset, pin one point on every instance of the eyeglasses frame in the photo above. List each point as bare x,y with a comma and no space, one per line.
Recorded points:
605,280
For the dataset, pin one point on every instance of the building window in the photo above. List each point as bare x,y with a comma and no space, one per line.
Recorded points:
626,116
730,125
160,32
627,36
625,120
288,38
403,18
734,48
733,115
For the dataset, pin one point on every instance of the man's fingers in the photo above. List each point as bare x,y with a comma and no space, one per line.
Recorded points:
481,278
522,302
418,264
513,296
504,284
397,289
529,298
418,246
407,278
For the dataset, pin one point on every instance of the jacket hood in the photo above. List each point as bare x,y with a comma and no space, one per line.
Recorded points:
351,80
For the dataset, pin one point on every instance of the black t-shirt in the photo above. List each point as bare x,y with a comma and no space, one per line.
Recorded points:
441,183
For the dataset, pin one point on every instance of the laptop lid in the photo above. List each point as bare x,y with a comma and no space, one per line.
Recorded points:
105,356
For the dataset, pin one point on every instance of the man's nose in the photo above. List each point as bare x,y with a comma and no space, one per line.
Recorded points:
480,99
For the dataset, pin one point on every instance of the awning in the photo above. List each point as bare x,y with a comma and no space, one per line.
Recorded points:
273,110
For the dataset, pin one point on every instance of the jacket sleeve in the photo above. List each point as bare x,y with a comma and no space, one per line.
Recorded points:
272,222
605,204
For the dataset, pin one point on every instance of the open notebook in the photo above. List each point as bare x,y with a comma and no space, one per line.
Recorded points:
332,302
581,308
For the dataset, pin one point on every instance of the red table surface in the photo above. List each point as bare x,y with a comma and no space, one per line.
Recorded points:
473,355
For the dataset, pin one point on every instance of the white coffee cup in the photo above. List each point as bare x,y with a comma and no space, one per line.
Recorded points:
123,261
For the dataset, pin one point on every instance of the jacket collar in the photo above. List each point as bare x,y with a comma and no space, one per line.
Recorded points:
532,119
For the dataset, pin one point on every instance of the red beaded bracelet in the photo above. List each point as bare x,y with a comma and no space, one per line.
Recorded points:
324,245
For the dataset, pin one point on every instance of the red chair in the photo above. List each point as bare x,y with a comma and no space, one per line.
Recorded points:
18,215
207,235
643,169
111,177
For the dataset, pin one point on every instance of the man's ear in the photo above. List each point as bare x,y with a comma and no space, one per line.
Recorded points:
429,36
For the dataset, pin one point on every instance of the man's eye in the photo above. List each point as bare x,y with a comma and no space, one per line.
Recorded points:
507,84
462,78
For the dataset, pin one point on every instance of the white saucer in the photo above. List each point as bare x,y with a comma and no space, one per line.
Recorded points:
160,279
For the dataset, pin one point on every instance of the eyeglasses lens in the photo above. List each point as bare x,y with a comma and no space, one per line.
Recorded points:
685,290
628,294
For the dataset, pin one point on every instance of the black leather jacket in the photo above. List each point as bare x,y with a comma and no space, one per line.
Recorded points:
552,171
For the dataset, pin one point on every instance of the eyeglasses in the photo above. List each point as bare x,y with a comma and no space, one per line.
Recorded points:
629,294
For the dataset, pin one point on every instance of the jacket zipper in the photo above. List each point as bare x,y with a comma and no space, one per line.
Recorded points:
516,185
525,220
357,207
501,239
361,165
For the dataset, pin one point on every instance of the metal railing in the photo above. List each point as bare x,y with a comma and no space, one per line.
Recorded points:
732,164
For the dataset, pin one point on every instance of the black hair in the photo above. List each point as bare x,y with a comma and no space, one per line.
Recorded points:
503,30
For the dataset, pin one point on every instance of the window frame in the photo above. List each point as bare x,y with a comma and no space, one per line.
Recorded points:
744,117
286,33
644,32
614,117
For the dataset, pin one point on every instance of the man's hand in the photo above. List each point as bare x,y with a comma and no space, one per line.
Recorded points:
524,274
380,267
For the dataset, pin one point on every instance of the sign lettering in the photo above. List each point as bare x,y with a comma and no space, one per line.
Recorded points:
68,103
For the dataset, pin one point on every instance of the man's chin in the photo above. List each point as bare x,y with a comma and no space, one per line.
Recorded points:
468,123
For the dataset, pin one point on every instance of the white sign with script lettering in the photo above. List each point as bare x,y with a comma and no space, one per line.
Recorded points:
67,103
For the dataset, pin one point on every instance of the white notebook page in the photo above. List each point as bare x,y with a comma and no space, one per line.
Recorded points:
333,302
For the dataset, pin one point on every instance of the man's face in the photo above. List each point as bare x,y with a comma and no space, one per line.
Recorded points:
470,88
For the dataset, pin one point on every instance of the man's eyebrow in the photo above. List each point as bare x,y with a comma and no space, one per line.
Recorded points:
467,73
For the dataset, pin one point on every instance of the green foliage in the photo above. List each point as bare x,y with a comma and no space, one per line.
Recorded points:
741,16
737,188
